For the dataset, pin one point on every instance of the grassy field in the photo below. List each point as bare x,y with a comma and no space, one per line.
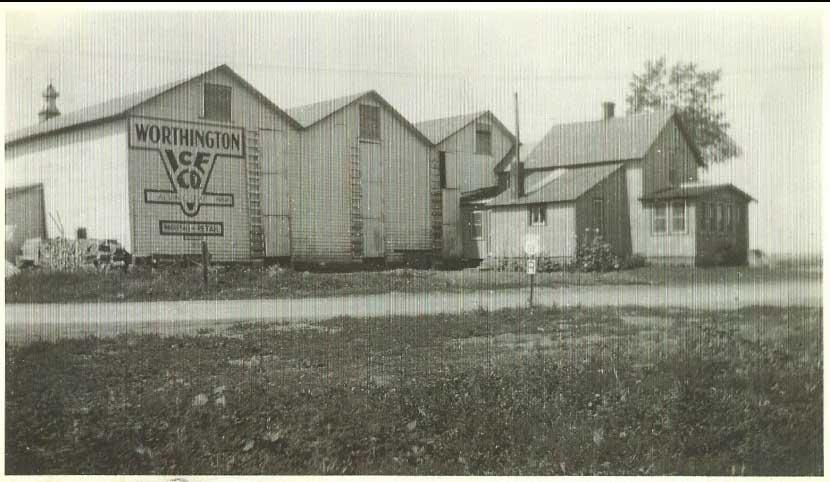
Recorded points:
247,282
548,392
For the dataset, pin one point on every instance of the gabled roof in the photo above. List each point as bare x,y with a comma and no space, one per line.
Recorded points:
437,130
691,191
10,191
560,185
121,106
507,162
611,140
310,114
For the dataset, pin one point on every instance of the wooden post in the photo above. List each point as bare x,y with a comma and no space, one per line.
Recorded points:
531,289
205,261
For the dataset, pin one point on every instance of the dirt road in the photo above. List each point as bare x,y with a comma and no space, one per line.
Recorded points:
31,322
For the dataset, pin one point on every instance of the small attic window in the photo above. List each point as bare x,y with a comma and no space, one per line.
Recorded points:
483,139
217,102
369,122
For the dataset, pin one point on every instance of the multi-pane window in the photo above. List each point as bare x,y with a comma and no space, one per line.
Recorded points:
483,139
729,226
737,220
669,217
678,216
537,215
721,218
477,225
370,122
217,102
660,218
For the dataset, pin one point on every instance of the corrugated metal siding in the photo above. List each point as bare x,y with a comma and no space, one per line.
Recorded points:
185,103
84,177
508,226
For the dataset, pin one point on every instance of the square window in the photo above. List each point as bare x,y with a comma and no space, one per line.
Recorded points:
483,139
370,122
217,102
537,215
659,219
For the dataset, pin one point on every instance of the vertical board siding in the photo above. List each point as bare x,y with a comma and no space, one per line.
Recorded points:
185,103
84,177
612,190
508,226
329,197
322,213
474,171
468,171
669,150
25,218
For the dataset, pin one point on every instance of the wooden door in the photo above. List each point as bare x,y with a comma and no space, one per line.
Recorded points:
371,206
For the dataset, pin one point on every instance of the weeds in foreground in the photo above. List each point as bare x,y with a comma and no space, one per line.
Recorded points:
715,403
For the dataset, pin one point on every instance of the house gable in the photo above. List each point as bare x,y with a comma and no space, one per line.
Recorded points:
671,160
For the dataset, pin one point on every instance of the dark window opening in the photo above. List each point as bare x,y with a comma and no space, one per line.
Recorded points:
217,102
442,167
81,234
483,139
537,215
370,122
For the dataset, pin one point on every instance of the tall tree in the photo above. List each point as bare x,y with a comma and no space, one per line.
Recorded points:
693,94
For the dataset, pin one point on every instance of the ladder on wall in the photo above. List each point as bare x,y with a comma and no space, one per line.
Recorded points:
254,174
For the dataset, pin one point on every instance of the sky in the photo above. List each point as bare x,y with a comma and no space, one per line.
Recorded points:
431,63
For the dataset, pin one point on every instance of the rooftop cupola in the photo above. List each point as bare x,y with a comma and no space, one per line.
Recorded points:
50,107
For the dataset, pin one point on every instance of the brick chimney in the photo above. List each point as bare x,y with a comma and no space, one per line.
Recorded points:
607,110
50,108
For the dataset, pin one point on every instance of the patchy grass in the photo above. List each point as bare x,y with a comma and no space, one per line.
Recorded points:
250,282
548,392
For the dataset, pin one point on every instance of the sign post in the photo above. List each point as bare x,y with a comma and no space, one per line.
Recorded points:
531,249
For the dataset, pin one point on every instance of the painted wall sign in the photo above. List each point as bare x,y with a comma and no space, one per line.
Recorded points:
188,152
190,228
